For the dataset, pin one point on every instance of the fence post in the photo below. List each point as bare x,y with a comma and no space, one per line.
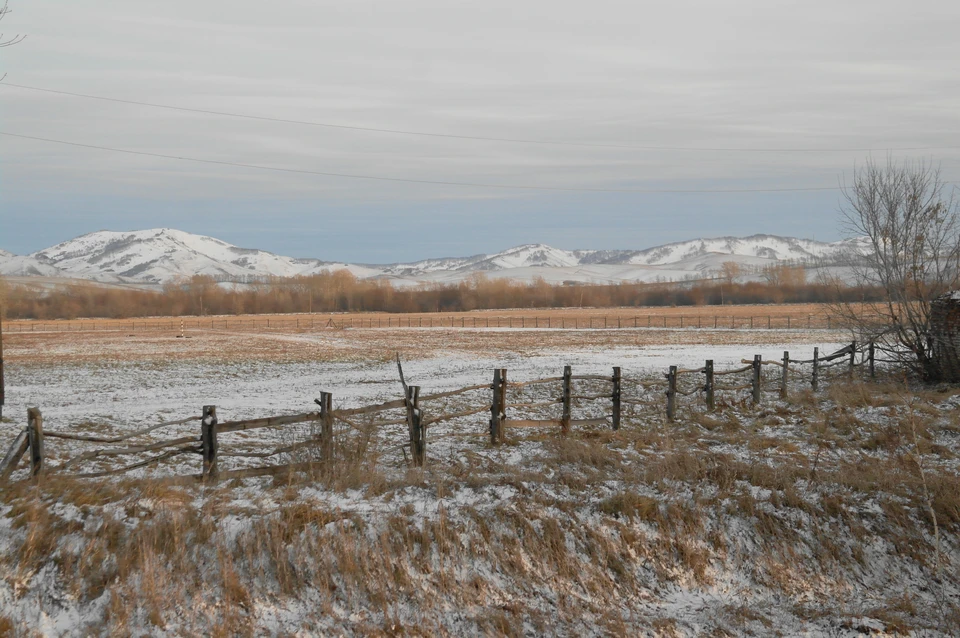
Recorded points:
616,398
35,440
853,356
567,394
756,378
786,375
496,408
815,379
14,454
708,386
208,441
418,443
871,353
672,393
326,425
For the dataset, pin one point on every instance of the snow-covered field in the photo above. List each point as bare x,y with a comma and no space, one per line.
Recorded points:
810,516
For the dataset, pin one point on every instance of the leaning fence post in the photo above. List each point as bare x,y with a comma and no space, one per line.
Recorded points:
567,395
616,398
14,454
756,378
815,379
418,442
871,353
35,440
496,424
708,385
786,374
208,441
672,393
326,425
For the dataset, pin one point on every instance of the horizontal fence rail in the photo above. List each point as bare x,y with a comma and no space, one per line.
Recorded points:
318,322
536,403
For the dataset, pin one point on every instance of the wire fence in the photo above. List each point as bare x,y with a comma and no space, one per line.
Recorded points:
535,321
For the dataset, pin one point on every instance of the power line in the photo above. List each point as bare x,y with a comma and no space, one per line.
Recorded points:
414,181
511,140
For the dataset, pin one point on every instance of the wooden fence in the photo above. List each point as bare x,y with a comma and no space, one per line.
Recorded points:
314,322
608,393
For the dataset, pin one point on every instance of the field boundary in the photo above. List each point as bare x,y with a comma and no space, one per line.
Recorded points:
532,321
328,426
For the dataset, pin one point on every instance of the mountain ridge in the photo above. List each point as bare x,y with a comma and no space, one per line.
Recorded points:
162,255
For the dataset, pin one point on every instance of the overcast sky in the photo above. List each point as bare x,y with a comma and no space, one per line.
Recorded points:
835,77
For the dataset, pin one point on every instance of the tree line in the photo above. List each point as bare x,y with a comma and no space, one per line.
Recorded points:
341,291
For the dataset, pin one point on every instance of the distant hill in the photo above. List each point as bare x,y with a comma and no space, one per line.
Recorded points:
162,255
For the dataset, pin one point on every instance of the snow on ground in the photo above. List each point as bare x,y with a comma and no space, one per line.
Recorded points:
727,534
128,394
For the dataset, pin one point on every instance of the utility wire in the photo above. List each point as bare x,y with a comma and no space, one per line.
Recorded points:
414,181
482,138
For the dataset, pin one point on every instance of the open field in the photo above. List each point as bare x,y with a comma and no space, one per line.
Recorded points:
786,316
835,513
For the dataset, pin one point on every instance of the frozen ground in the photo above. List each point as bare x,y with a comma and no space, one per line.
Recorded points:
813,516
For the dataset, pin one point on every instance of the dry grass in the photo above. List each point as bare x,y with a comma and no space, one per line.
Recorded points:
804,500
287,343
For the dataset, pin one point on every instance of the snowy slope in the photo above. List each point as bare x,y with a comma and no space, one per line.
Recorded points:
162,255
765,246
26,266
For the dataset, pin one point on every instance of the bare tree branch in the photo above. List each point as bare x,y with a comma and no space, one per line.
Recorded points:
907,229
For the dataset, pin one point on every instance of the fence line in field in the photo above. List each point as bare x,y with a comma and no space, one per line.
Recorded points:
321,443
314,322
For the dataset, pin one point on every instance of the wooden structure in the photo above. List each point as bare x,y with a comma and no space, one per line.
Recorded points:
606,394
944,335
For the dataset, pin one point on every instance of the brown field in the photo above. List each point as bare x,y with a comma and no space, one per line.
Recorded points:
783,316
248,338
834,512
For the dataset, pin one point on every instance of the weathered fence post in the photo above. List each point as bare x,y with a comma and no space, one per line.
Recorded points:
496,408
708,385
815,378
756,378
786,374
326,425
616,397
35,440
2,390
672,393
567,394
14,454
208,441
871,352
853,356
418,443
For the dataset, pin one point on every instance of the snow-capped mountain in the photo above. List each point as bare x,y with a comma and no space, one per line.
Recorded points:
26,266
764,246
162,255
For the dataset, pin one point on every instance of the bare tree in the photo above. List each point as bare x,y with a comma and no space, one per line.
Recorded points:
4,10
907,230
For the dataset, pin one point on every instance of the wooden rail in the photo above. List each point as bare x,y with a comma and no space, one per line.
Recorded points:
504,415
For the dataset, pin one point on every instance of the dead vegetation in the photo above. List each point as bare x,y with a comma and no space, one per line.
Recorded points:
825,512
